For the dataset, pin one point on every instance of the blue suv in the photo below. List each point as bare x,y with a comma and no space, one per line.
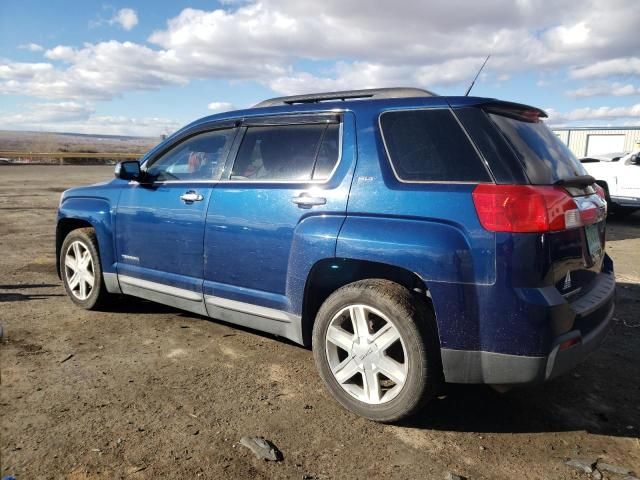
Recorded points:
410,239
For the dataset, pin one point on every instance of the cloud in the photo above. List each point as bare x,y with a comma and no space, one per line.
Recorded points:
427,44
355,75
607,68
96,71
218,107
127,18
595,114
32,47
605,89
81,118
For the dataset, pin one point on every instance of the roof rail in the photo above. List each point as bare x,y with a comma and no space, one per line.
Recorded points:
370,93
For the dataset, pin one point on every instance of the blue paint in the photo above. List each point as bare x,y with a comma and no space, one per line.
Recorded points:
250,243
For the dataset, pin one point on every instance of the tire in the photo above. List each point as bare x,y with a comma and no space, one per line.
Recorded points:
407,372
82,242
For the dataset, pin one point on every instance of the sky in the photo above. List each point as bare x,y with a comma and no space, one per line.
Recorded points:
149,67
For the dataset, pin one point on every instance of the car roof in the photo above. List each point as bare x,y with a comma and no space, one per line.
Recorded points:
354,100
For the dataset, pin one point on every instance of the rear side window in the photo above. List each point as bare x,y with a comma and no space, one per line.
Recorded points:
429,145
545,158
287,153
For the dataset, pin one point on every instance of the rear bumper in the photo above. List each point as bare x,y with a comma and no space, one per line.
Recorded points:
594,311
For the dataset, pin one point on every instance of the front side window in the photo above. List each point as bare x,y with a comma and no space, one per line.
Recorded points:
200,157
430,146
287,153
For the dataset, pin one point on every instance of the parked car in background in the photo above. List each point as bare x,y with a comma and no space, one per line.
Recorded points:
619,175
408,238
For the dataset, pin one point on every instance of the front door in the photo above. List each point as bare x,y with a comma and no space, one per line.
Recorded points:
160,222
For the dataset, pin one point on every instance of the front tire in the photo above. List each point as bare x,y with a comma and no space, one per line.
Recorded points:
81,271
376,348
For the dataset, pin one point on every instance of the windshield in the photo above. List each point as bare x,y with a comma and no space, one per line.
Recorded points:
545,158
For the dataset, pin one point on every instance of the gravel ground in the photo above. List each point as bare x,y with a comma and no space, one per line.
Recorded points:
147,391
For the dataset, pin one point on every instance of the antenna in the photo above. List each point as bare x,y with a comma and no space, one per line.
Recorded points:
476,77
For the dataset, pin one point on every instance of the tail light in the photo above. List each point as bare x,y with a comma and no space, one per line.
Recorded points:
529,208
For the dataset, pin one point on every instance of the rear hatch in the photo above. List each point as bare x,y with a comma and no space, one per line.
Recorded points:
575,205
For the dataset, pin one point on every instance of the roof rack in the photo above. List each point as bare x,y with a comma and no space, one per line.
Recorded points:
370,93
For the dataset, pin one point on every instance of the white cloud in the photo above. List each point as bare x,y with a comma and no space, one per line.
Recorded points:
605,89
81,118
127,18
32,47
218,107
362,43
598,114
607,68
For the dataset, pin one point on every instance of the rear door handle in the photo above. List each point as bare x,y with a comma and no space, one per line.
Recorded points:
306,201
191,196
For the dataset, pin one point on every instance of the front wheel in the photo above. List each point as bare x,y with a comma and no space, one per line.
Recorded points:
80,269
377,351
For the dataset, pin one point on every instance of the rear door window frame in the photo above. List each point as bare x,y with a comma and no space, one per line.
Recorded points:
283,121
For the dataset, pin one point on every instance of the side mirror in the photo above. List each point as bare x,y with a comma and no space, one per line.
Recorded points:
129,170
635,160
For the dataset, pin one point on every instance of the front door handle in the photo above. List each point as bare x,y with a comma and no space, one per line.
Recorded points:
191,196
306,201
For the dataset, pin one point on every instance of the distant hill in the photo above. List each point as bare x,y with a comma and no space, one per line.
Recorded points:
17,145
73,142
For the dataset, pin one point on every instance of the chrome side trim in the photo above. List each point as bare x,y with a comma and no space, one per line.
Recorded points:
165,298
111,282
161,288
251,309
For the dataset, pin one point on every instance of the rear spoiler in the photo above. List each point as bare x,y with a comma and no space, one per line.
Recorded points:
519,111
577,181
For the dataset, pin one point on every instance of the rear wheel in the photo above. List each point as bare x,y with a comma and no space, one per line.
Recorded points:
377,351
80,269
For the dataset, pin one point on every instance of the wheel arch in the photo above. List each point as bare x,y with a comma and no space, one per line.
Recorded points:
64,227
328,275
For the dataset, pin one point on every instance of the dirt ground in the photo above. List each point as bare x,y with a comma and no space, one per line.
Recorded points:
147,391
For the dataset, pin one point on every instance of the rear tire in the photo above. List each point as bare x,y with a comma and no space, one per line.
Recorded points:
81,270
376,348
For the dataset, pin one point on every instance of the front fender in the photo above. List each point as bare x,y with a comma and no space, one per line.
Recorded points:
97,212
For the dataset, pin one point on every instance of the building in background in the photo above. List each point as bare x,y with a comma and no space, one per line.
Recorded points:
587,141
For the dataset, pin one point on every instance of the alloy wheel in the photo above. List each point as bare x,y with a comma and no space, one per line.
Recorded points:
366,354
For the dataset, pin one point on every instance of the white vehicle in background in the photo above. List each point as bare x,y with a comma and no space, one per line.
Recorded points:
619,175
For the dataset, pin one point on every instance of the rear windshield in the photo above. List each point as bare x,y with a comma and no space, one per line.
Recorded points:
545,158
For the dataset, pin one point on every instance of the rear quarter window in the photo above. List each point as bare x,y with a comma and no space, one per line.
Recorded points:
430,146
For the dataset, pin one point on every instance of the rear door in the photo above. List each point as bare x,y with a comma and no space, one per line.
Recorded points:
160,221
284,182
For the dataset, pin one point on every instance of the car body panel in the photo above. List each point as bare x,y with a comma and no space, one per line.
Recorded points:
95,205
245,253
160,237
260,246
